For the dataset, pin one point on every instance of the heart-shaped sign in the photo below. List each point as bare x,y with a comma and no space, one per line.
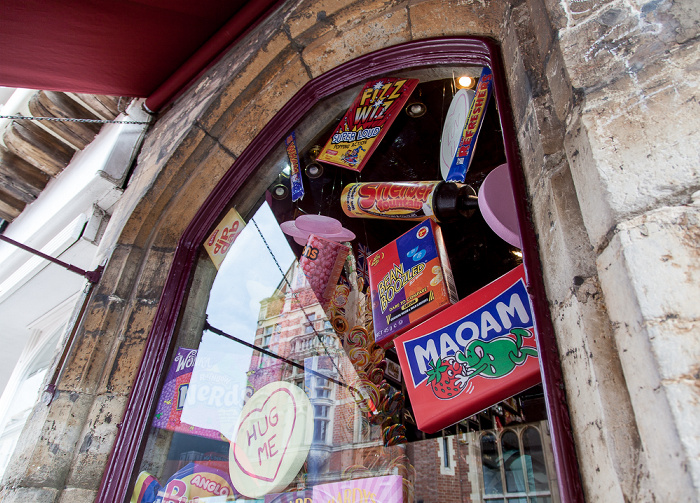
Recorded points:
272,440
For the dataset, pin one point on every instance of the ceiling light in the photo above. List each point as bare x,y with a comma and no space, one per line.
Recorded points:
466,82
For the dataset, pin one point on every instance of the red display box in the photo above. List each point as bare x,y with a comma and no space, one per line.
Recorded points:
472,355
410,279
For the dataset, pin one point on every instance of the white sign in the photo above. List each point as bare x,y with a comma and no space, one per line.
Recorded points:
272,441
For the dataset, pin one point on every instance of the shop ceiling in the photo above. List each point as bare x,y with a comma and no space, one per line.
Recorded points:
125,48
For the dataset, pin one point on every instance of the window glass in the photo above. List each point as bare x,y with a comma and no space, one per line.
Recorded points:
534,455
257,353
491,465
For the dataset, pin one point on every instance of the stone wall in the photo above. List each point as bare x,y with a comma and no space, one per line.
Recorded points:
605,105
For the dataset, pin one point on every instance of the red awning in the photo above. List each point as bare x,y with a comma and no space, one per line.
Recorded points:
113,47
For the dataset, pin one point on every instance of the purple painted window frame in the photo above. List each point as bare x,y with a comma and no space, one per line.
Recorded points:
429,52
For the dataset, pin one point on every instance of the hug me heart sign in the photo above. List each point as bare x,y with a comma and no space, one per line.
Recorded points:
272,441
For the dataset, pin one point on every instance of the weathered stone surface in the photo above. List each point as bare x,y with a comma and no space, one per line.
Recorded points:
144,198
567,256
642,156
124,360
84,366
560,87
388,28
95,443
225,107
76,495
601,414
647,272
518,82
433,18
26,494
312,14
277,91
661,252
45,458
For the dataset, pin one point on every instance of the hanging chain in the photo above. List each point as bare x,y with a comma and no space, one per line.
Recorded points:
294,294
67,119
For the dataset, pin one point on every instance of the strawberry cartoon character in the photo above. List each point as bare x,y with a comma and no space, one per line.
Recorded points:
444,377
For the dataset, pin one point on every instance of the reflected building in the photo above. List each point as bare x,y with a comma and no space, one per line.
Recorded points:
485,461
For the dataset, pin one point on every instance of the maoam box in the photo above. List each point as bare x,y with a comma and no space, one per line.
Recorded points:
410,279
472,355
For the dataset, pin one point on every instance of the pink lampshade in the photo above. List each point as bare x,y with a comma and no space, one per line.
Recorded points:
318,225
497,205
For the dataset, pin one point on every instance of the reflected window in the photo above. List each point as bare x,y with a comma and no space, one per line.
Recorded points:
515,461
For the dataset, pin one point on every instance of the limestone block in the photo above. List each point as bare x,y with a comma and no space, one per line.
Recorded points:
559,85
46,456
684,396
77,495
602,419
559,12
643,146
359,11
124,360
86,362
592,193
432,18
519,87
659,251
95,442
312,13
151,187
278,89
566,254
335,47
543,30
681,18
648,273
531,150
26,494
595,50
267,58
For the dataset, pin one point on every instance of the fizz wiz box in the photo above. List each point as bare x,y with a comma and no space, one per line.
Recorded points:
410,279
472,355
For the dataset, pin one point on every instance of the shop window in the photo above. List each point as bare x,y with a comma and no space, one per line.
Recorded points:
363,424
514,468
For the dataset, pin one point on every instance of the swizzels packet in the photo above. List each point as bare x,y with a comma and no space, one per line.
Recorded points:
410,279
322,262
472,355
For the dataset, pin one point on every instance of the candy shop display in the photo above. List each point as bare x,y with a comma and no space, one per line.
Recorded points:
173,395
465,149
193,482
443,202
366,122
410,279
476,353
290,497
223,236
386,489
322,262
295,173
